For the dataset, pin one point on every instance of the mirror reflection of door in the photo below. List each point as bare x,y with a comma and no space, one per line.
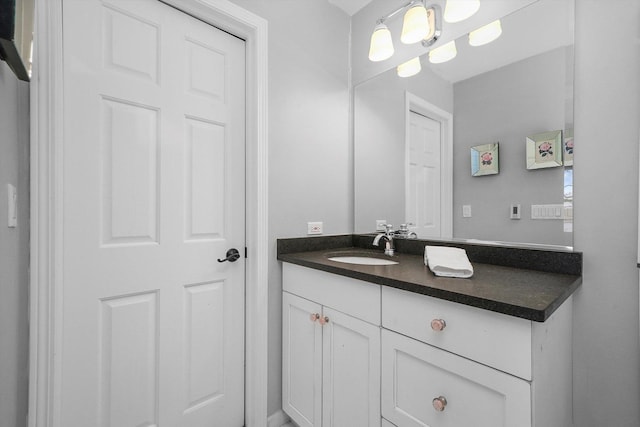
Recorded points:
423,189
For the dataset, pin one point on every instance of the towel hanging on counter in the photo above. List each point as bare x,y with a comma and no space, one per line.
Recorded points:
448,262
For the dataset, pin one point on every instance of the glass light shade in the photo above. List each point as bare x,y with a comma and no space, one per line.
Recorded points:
381,47
459,10
410,68
415,26
486,34
444,53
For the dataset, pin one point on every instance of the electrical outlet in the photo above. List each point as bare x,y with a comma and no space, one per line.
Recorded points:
380,223
314,228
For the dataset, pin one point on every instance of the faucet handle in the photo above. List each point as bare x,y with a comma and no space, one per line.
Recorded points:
389,228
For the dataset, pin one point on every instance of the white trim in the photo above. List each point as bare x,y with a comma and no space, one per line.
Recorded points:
46,224
278,419
419,105
46,204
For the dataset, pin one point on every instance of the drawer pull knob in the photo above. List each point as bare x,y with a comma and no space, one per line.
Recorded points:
324,320
314,317
438,325
439,403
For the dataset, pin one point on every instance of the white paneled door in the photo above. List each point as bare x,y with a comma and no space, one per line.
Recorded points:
154,195
423,190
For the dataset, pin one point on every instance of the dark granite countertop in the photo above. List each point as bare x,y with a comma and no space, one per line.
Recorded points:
526,293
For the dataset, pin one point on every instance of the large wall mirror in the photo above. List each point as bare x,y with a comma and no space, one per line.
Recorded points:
479,147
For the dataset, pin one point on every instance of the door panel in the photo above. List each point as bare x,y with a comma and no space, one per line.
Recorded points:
153,325
129,360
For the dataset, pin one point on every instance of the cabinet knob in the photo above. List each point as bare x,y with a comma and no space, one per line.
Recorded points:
438,325
439,403
324,320
314,317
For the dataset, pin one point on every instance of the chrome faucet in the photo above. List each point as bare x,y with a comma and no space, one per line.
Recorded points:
404,232
388,236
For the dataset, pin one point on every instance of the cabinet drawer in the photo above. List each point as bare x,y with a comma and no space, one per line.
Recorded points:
359,299
414,374
493,339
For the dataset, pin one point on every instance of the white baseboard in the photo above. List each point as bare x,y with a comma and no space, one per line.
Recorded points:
278,419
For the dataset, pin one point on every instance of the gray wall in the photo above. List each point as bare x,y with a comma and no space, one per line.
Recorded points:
14,250
606,354
505,106
309,150
379,143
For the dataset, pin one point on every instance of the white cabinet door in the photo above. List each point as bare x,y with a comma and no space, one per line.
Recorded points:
301,360
331,366
350,371
414,374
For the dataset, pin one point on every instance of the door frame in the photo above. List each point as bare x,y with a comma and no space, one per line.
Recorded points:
47,190
420,106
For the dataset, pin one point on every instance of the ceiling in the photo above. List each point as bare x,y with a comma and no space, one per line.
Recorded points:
350,6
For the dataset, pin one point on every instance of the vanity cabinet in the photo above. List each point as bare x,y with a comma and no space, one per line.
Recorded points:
331,349
361,354
445,364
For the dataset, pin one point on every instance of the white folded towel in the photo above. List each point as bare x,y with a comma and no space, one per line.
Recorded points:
448,262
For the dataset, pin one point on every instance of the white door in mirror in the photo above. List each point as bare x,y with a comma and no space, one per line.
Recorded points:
423,183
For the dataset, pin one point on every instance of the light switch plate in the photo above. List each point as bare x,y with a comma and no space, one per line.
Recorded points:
466,211
550,212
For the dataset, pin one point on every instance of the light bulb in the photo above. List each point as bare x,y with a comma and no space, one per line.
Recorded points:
459,10
381,47
486,34
409,68
443,53
415,26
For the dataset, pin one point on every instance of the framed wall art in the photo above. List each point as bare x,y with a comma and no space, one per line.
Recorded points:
485,159
544,150
567,148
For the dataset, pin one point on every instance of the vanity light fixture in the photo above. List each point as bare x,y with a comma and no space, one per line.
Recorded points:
415,25
421,24
381,44
485,34
409,68
459,10
443,53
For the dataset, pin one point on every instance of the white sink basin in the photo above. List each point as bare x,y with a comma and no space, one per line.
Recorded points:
362,260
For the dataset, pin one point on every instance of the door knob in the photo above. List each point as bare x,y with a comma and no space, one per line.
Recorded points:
438,325
439,403
232,256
